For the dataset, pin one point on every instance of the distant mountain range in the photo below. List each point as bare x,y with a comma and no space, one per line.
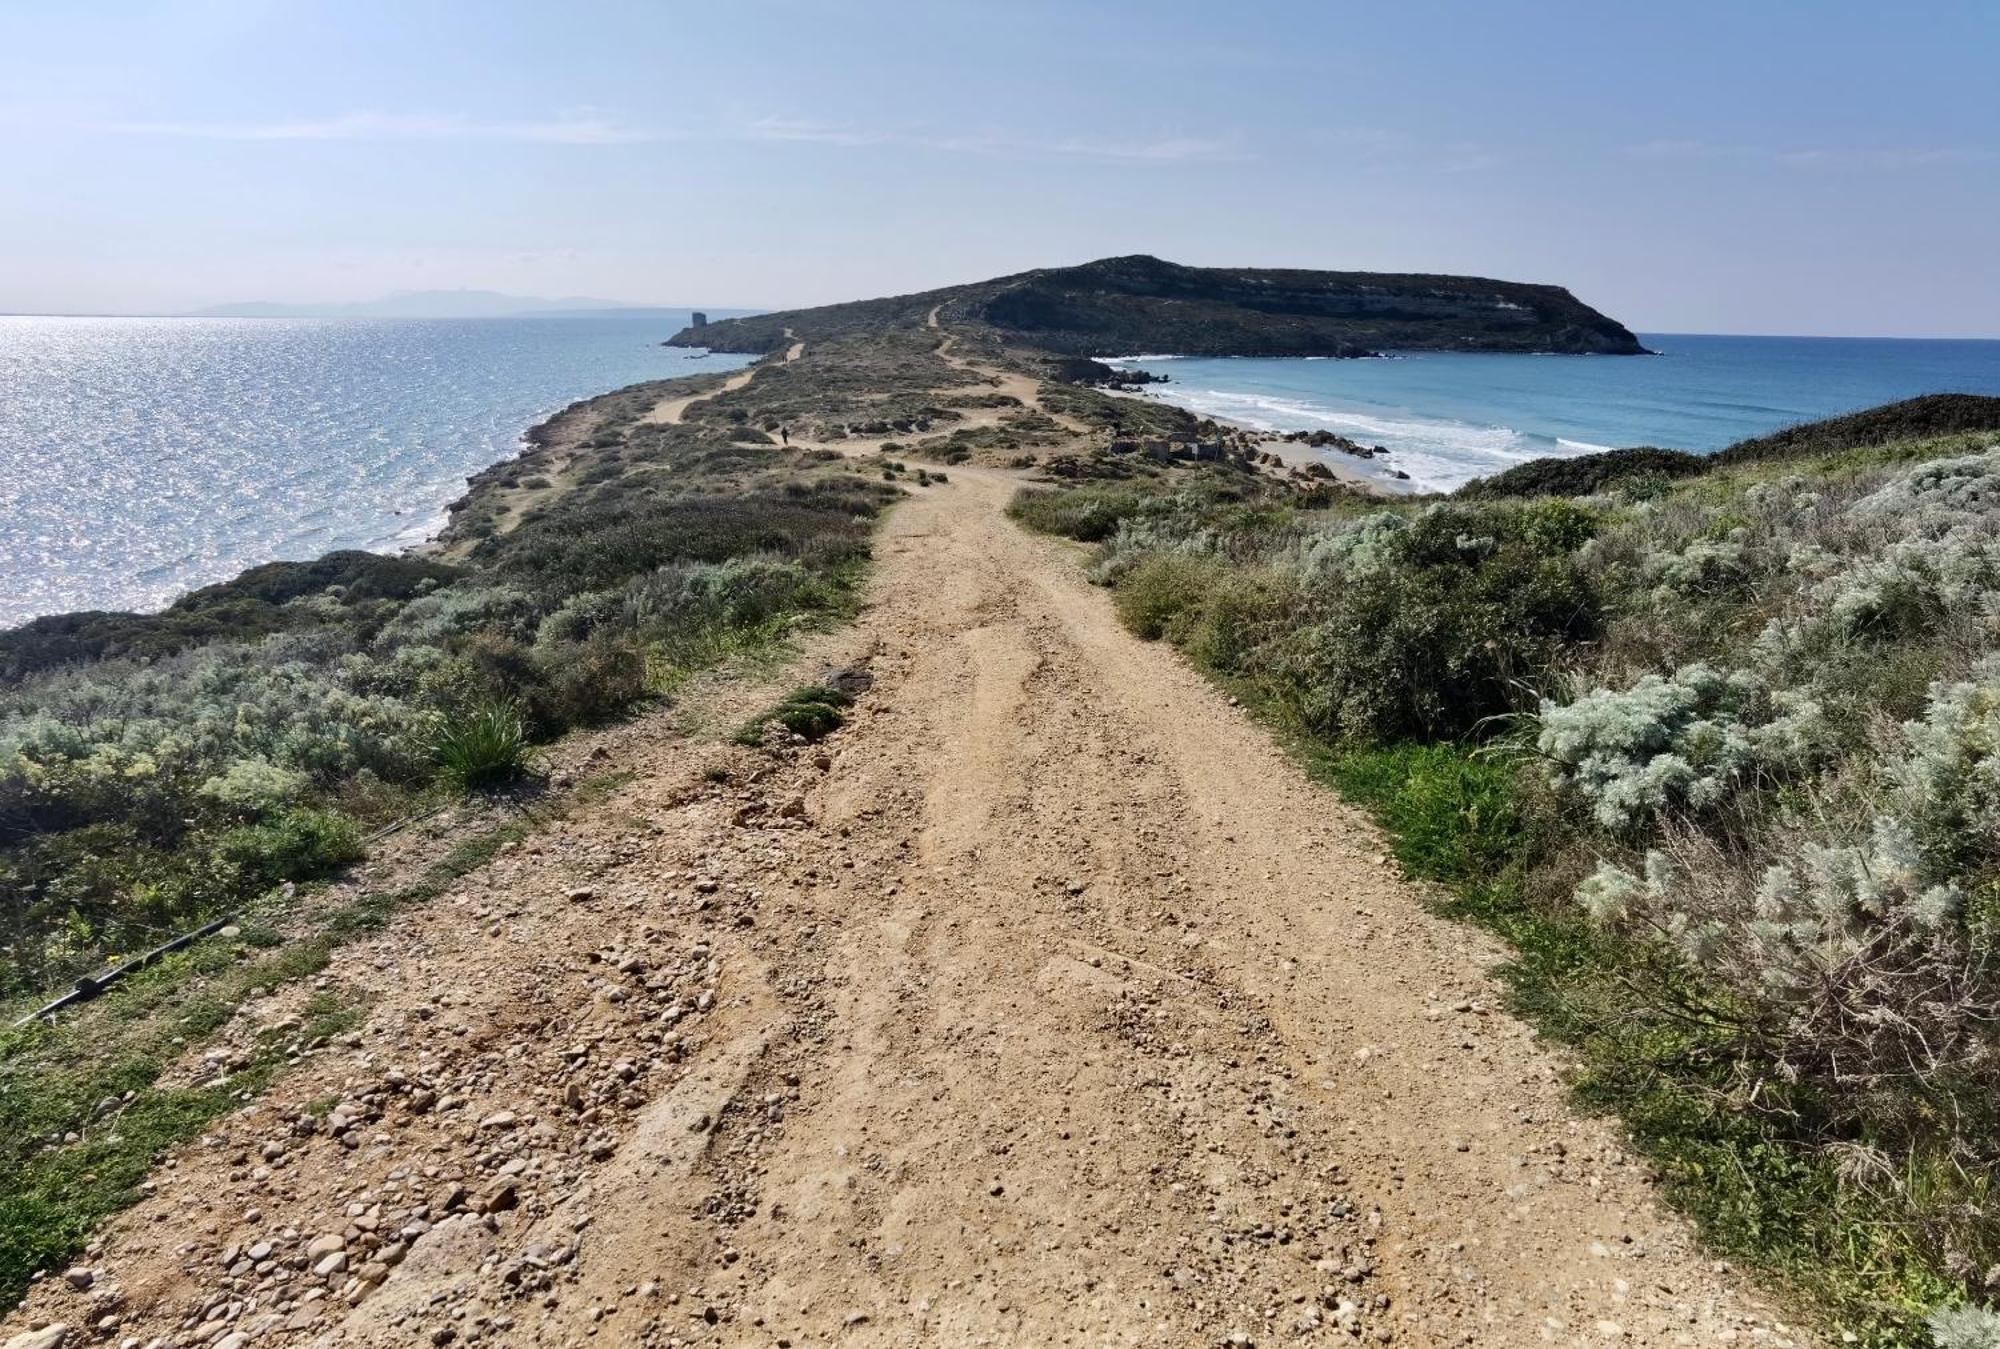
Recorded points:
450,304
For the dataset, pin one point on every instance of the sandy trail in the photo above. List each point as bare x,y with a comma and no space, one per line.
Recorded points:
1013,383
1052,1006
560,465
669,411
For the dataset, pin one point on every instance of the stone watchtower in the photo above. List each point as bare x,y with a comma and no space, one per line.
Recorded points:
700,320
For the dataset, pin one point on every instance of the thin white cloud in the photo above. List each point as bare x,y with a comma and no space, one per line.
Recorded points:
1885,159
1162,150
814,133
1846,157
587,127
1668,148
1371,140
579,128
1166,150
1389,148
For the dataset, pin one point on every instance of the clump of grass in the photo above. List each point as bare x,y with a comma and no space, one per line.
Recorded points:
482,746
296,845
811,711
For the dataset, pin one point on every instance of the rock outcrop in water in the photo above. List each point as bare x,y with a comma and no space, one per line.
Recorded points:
1118,306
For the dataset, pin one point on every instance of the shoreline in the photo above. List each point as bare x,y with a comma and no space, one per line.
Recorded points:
1365,475
1368,475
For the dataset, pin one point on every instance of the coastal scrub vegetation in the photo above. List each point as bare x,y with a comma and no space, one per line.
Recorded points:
157,770
1584,474
1718,753
160,770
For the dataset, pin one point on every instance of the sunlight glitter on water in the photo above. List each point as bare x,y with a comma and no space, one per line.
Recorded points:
142,457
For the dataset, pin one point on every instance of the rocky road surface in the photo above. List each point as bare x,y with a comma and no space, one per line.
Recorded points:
1046,1003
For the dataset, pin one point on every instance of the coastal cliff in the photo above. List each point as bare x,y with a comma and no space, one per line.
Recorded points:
1117,306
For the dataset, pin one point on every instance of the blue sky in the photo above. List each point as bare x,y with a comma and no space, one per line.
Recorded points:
1821,167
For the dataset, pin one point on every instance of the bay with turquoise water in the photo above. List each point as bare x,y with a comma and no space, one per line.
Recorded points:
142,457
1447,418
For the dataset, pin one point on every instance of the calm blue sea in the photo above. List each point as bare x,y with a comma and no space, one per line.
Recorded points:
142,457
1449,418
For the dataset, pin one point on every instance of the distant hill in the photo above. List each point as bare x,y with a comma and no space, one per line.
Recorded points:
451,304
1122,306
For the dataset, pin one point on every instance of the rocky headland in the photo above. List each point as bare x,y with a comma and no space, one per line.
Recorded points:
1117,306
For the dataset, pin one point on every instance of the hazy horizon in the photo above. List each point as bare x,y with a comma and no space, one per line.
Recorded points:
1803,169
289,309
564,306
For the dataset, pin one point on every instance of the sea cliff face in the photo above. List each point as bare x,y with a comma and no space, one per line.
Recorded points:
1118,306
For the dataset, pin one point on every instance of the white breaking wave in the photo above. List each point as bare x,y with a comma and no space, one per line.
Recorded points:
1438,453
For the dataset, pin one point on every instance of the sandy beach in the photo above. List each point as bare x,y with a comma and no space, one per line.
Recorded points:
1374,476
1377,476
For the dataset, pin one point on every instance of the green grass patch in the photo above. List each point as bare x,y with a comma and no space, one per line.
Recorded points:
83,1119
1089,514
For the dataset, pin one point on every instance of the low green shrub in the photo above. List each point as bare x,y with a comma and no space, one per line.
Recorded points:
1431,628
1163,590
811,711
1584,474
1920,418
296,845
1086,514
1240,611
591,681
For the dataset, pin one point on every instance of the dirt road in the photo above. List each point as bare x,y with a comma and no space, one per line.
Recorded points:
1046,1003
